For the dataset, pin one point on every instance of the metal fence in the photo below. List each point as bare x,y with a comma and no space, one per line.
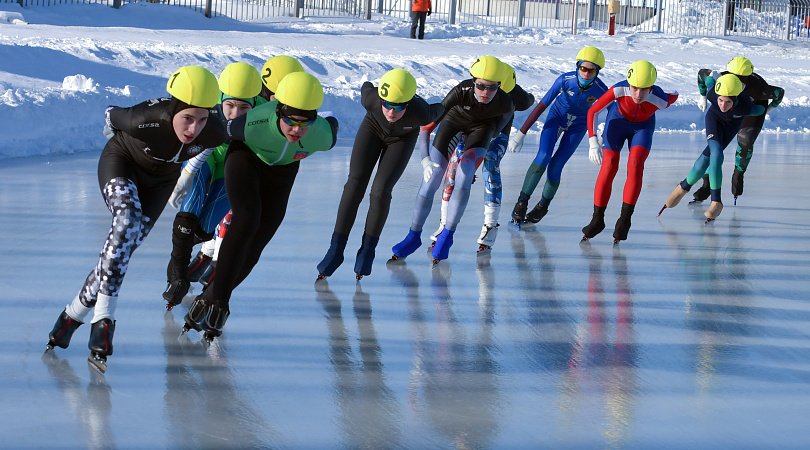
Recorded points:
775,19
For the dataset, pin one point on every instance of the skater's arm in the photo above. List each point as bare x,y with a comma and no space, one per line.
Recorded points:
593,113
702,79
193,165
333,124
522,99
533,116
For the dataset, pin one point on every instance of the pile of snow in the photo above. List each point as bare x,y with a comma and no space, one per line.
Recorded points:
79,83
12,17
58,74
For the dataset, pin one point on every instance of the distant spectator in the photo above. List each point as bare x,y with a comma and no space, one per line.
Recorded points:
420,9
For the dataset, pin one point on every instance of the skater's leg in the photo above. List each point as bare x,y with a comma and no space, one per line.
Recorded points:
604,181
393,162
635,174
258,195
471,159
424,198
367,149
493,188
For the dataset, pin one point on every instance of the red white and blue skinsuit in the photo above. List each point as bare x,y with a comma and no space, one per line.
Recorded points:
626,121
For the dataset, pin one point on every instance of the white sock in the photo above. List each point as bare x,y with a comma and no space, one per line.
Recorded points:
208,247
76,310
491,214
105,308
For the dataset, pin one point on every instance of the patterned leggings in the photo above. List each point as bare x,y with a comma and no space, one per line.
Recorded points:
129,228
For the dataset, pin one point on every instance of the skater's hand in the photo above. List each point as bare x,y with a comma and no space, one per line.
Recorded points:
108,132
109,129
181,189
595,153
429,11
703,103
428,166
516,142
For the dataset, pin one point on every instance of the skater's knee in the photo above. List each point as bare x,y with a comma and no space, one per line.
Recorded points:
380,195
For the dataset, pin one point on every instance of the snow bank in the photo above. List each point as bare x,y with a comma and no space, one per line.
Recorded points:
58,74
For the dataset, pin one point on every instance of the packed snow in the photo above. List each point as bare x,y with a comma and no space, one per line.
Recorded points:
61,65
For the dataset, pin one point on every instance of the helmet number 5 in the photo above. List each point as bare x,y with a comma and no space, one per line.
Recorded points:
384,89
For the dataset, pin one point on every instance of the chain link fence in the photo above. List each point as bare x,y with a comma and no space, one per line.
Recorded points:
774,19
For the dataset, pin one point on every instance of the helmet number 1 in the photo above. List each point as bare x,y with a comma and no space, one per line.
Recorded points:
384,89
174,77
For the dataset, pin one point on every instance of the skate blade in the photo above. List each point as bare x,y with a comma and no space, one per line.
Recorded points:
320,277
735,200
515,224
695,201
396,258
48,348
358,277
616,242
584,239
435,262
98,362
708,221
662,210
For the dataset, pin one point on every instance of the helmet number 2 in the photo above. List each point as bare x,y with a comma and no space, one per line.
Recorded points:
384,89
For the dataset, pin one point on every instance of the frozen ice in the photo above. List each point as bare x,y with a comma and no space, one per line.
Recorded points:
686,335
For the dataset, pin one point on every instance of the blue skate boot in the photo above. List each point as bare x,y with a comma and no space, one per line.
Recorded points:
408,245
442,248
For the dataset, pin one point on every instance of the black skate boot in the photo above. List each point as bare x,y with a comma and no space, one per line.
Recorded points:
208,276
101,345
737,184
597,223
62,331
177,272
537,213
704,192
198,266
195,316
519,212
365,256
215,318
177,289
623,224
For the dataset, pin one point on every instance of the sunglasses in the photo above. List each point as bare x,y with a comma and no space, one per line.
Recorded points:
297,123
397,107
487,87
584,69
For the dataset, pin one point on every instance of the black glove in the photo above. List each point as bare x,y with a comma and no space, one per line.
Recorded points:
428,11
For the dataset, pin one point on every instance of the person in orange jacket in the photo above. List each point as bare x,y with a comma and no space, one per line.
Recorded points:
420,9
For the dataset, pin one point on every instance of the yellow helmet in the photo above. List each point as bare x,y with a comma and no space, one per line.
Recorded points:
195,86
740,66
510,79
592,55
487,68
641,74
300,90
240,80
276,68
728,85
397,86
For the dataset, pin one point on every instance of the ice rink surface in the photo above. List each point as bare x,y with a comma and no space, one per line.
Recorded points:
686,335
